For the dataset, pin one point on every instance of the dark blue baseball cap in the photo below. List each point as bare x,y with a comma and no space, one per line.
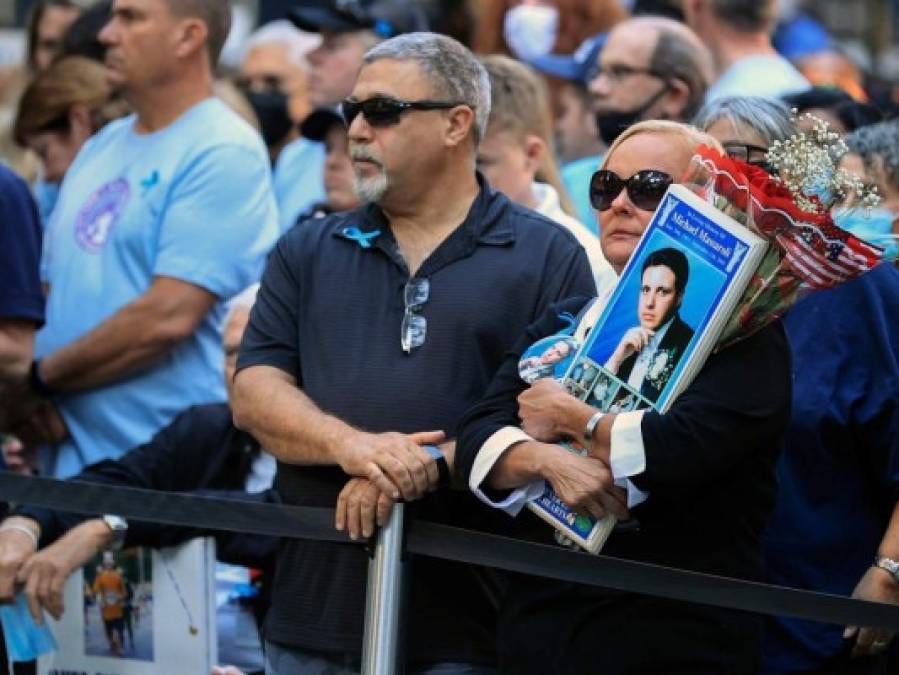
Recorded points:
386,18
577,67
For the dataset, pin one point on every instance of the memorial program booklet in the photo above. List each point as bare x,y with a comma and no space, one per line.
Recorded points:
664,317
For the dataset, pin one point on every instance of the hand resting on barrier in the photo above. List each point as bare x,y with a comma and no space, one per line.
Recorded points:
362,505
43,573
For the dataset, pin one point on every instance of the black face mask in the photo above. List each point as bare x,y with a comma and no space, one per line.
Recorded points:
271,109
610,123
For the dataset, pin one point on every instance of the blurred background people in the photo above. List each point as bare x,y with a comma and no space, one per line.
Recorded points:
516,156
273,78
532,28
82,37
649,68
166,214
738,33
746,126
47,25
328,127
578,145
836,107
61,108
874,157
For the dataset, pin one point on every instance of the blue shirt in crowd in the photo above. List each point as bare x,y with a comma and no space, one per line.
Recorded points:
21,296
839,470
193,202
299,179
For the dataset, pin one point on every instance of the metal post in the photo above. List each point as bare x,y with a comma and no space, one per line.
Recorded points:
384,600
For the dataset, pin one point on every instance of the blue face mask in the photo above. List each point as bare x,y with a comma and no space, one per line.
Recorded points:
875,226
25,640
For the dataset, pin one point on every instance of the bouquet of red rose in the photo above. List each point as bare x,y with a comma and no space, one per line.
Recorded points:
807,251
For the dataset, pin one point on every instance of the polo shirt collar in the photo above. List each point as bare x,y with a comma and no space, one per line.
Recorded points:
484,223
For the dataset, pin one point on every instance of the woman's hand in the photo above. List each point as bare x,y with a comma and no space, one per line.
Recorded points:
548,412
586,485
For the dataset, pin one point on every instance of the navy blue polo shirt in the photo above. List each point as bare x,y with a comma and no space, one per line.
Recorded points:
21,296
329,312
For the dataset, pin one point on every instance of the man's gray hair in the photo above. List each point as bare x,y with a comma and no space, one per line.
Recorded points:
296,43
747,16
679,54
455,72
878,143
768,117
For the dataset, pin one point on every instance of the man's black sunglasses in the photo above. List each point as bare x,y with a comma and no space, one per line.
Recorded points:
645,188
381,111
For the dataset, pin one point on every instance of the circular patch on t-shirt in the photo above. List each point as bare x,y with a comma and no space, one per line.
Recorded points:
99,215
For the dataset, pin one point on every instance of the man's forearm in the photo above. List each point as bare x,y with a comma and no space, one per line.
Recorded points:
268,405
133,338
521,464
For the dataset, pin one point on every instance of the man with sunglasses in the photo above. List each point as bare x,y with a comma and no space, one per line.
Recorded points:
421,291
649,68
348,28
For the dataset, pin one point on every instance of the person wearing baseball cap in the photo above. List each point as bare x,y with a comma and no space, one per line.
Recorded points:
577,142
349,28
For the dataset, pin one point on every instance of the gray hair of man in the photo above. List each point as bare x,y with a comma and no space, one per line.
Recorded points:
768,117
243,300
452,68
878,146
297,43
679,54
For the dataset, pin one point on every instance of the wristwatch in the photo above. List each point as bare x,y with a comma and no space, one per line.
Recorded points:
119,528
442,465
888,564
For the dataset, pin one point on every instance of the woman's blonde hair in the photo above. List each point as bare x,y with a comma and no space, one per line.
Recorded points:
690,136
73,80
520,106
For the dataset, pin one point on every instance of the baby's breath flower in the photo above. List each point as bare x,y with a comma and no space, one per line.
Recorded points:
807,165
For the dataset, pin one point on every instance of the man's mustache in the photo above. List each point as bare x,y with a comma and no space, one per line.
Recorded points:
362,155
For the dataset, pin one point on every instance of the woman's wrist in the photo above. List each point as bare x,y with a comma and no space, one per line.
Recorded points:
574,418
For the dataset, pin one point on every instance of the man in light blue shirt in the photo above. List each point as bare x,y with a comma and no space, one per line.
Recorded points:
163,216
738,33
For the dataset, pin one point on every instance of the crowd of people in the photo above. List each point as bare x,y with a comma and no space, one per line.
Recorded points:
315,279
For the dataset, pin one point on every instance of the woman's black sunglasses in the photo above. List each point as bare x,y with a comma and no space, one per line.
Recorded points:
381,111
645,188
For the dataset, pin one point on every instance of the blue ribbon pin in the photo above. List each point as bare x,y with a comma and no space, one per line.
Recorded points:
364,239
149,181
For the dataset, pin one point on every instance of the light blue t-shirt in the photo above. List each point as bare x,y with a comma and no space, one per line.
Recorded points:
771,76
299,179
576,176
192,201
